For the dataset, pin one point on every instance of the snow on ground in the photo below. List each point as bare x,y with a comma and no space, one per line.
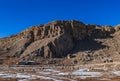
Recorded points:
52,74
84,74
25,77
117,73
103,79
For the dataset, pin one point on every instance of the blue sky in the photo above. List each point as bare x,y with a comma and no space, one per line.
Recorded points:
17,15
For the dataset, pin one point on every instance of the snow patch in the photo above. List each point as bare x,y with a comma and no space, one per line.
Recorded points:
116,73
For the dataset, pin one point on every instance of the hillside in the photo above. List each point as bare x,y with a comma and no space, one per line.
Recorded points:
62,42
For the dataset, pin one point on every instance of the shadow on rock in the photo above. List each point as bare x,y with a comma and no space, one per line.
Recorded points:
87,44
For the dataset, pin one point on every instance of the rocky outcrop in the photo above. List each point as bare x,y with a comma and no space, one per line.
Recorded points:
57,39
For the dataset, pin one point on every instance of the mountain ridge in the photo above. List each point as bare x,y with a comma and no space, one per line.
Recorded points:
62,39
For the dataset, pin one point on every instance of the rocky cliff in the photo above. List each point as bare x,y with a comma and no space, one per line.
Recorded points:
71,41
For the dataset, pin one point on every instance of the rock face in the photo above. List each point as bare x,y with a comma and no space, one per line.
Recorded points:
60,39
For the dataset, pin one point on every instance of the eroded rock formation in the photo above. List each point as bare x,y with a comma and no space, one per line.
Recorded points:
59,39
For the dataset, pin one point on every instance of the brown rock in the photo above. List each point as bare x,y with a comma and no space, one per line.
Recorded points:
58,39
